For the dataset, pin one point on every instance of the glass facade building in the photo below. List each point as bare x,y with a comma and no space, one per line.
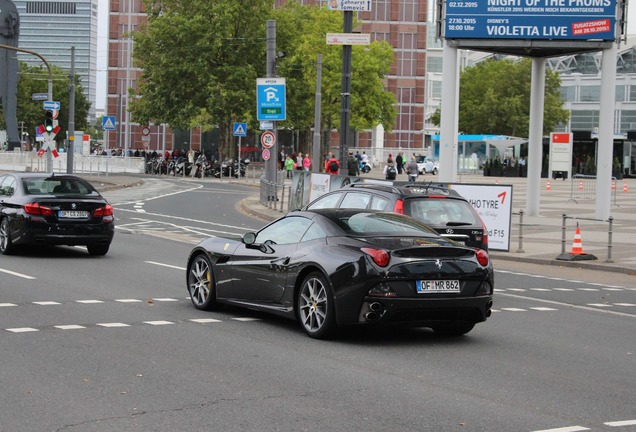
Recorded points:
51,28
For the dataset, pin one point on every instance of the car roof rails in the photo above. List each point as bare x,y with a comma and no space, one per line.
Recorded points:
428,188
376,186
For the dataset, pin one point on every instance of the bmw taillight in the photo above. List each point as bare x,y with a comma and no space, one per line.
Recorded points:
379,256
36,209
399,207
107,210
482,257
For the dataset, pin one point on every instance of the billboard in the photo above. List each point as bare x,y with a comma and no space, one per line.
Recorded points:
531,19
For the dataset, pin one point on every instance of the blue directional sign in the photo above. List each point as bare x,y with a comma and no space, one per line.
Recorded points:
271,103
530,19
50,105
239,129
108,122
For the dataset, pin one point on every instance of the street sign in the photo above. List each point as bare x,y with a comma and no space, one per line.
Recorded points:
271,103
266,154
348,38
108,122
349,5
240,129
268,139
50,105
145,131
40,96
267,125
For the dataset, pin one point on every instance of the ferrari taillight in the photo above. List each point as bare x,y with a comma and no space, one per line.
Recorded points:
107,210
482,257
484,237
35,208
379,256
399,207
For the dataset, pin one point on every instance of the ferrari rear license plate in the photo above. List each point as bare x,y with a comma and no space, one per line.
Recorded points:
72,214
428,286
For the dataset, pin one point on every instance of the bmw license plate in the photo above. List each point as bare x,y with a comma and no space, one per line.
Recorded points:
72,214
429,286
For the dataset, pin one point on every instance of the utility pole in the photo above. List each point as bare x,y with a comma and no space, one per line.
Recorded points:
345,94
71,117
270,164
315,150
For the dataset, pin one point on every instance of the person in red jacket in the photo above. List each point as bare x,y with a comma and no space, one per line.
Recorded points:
332,165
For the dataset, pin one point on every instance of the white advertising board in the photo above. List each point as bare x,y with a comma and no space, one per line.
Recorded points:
319,185
493,203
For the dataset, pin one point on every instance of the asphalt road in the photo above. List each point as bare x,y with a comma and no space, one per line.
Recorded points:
112,343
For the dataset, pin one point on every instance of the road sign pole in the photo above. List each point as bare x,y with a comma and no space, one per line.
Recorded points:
270,165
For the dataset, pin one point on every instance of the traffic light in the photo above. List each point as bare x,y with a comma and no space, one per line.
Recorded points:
48,121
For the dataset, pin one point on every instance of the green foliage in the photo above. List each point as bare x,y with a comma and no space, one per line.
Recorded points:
201,59
494,98
34,79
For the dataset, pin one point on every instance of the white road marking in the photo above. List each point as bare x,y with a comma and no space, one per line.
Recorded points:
165,265
191,220
246,319
205,320
156,323
69,327
543,309
565,429
113,325
540,289
573,306
128,300
16,274
7,304
22,330
563,289
513,310
599,304
621,423
46,303
165,299
625,304
516,289
89,301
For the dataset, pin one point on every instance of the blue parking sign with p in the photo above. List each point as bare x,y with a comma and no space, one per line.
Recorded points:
240,129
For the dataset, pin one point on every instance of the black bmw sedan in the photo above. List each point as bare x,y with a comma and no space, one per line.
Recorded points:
51,209
331,268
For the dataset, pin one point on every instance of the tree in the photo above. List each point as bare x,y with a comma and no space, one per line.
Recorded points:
30,113
494,98
201,58
200,61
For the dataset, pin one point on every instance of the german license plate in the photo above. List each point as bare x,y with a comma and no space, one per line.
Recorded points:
429,286
72,214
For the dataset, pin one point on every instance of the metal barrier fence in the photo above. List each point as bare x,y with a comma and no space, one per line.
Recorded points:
93,165
275,195
584,187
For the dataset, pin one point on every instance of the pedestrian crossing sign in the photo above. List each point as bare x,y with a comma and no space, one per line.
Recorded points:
240,129
108,122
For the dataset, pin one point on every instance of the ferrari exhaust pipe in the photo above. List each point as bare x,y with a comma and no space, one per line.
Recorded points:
370,316
375,307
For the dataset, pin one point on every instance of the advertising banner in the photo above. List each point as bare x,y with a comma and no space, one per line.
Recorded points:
531,19
493,203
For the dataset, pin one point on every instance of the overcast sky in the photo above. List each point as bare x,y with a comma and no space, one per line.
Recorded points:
102,49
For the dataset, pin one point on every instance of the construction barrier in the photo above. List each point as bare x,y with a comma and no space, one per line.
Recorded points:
584,187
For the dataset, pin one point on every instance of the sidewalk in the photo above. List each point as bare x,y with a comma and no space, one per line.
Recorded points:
541,240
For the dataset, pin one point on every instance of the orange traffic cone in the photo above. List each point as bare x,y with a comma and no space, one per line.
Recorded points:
624,186
613,185
497,181
576,254
547,186
577,245
580,185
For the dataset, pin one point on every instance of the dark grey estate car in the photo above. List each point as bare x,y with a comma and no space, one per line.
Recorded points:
437,205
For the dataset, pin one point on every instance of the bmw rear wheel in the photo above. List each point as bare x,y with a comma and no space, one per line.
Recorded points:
6,246
316,311
201,283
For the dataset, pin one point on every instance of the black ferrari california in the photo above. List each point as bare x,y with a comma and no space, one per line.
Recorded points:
51,209
333,268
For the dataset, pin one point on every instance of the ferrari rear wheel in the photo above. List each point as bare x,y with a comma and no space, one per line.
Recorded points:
6,246
316,310
454,329
201,283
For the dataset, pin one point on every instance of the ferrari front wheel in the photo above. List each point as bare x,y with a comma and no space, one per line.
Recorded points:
316,311
201,283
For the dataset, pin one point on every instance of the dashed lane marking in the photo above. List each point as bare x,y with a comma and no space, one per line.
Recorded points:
621,423
565,429
165,265
114,325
